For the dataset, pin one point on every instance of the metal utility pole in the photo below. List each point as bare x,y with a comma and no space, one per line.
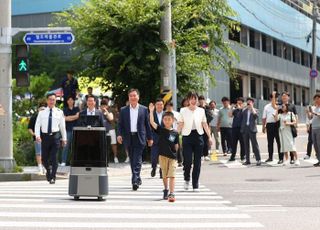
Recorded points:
166,37
313,80
6,145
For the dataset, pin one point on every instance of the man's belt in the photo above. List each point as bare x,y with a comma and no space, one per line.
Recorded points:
50,134
134,133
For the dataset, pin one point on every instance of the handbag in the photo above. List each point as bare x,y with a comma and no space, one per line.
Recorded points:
294,130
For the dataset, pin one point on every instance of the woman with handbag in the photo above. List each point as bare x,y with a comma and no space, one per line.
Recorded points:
287,133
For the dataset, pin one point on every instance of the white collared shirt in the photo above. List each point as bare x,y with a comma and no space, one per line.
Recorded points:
134,112
58,122
91,112
192,118
159,116
268,113
248,118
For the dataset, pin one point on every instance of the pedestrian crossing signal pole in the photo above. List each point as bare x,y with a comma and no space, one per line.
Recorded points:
6,146
313,80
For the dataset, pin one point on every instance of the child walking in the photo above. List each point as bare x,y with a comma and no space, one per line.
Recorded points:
168,147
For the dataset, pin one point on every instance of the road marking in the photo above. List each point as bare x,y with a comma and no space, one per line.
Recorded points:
123,215
100,206
258,205
263,191
136,225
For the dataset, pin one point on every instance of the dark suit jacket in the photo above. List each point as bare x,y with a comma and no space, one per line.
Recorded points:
159,123
98,113
143,125
252,121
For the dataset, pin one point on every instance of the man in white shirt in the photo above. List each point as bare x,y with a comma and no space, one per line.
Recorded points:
214,123
270,125
49,126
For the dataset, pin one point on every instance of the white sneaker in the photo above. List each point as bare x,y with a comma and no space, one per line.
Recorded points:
40,169
116,160
202,158
127,160
207,158
297,162
186,185
196,190
306,157
286,163
63,164
217,151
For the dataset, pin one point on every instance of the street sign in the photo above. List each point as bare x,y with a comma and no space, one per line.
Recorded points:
313,73
65,38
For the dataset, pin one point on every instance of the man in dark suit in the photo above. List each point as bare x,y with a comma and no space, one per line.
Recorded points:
92,111
157,114
249,131
134,132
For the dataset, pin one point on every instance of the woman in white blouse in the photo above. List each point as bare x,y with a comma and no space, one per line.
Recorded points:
193,124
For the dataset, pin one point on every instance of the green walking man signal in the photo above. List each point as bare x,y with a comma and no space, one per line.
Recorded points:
22,66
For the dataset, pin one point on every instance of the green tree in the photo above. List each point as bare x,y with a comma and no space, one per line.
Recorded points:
122,40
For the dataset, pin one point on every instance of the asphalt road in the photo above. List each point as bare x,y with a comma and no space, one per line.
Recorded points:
285,197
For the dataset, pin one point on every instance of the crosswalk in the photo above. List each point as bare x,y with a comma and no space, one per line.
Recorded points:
30,205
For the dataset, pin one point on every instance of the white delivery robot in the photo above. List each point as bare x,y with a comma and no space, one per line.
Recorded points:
88,167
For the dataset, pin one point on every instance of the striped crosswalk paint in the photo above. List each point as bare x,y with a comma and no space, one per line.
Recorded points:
26,205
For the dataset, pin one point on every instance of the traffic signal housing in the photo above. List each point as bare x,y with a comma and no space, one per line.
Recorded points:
22,66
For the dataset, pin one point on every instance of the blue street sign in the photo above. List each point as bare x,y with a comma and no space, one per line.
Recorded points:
64,38
313,73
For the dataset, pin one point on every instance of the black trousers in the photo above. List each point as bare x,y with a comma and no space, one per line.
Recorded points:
192,152
226,139
49,150
237,137
273,134
249,136
135,151
309,146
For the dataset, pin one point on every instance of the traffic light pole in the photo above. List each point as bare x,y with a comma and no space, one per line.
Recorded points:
6,146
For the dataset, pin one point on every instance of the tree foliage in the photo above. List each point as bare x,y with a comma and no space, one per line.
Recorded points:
122,41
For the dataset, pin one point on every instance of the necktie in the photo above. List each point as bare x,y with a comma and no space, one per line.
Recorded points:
50,122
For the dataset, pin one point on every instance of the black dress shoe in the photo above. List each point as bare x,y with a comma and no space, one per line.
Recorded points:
52,181
268,160
292,162
246,163
135,187
258,163
317,164
232,159
153,172
280,162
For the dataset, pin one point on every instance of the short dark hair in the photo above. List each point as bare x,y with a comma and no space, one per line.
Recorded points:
104,102
134,90
213,101
183,101
42,104
160,100
225,99
70,71
240,99
192,94
90,87
90,96
201,97
317,95
51,94
285,93
250,99
70,96
168,114
169,103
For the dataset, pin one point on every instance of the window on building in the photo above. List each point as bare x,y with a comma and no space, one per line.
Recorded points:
234,35
277,51
266,90
318,63
305,59
296,56
244,35
287,52
254,39
275,87
295,95
251,38
310,60
303,96
253,87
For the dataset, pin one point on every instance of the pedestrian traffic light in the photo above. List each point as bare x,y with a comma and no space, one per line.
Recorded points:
22,66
